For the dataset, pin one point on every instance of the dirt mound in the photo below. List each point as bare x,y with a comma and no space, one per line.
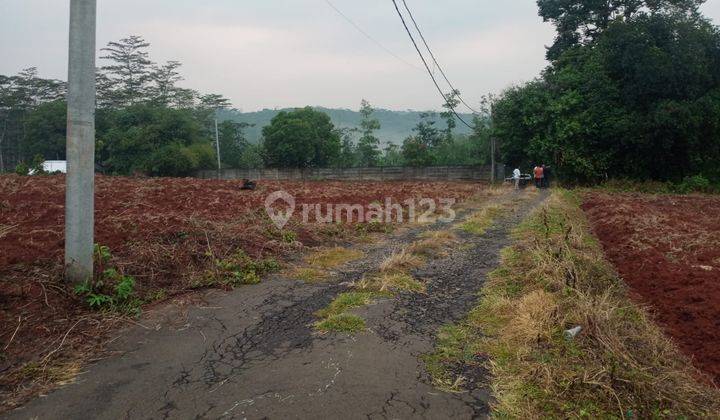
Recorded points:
667,248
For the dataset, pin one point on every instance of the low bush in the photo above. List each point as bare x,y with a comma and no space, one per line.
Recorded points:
690,184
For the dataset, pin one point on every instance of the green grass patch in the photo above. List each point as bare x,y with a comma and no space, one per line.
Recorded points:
328,259
343,323
454,347
345,301
479,222
310,275
239,269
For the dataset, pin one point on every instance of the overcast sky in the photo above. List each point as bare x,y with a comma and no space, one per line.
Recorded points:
280,53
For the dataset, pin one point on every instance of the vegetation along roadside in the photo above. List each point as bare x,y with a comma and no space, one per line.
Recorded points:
524,329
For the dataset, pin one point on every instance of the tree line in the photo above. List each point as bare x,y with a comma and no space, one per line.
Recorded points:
632,91
307,138
147,124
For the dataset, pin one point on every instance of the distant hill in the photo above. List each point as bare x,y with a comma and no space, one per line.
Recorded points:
396,125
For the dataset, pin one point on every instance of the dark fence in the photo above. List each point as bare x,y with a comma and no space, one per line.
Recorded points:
469,173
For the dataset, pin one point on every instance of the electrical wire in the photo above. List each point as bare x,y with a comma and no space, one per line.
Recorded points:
427,67
433,57
368,36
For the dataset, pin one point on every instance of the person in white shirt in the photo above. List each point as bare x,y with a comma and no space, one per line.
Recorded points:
516,177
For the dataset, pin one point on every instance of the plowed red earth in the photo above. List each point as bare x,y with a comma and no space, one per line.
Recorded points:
667,249
164,232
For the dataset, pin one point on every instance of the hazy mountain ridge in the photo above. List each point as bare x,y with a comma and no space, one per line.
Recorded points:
396,125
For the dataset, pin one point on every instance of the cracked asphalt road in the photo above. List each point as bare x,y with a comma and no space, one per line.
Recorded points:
253,354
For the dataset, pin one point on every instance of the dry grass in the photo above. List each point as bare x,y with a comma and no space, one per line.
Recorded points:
434,244
480,221
5,229
554,278
391,282
401,262
331,258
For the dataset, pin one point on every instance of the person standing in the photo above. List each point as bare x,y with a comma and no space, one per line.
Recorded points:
516,178
538,172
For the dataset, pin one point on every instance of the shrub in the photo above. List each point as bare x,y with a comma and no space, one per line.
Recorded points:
38,165
173,160
697,183
205,155
22,169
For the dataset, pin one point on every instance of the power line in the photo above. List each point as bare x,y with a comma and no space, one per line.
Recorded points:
427,67
433,57
368,36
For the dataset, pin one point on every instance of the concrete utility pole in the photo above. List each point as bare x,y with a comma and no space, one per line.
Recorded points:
80,180
492,160
217,147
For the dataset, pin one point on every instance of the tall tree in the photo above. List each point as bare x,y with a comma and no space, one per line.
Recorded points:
368,145
392,155
451,102
165,79
130,70
233,144
579,22
642,101
348,150
425,130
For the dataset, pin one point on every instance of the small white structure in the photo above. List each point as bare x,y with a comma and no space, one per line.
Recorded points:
52,166
55,166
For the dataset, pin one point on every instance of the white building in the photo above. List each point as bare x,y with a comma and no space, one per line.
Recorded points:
52,166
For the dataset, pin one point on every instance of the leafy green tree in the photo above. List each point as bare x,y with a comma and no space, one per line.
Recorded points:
301,138
129,71
425,130
369,145
46,131
165,79
130,138
173,160
19,96
416,153
451,102
348,151
252,157
640,101
579,22
233,143
392,156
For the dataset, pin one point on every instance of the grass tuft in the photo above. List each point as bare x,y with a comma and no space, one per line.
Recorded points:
479,222
391,282
434,244
344,323
309,275
333,257
345,301
401,261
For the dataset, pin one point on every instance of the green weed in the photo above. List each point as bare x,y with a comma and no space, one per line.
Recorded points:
344,323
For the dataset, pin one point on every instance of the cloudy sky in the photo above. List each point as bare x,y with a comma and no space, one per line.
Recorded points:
278,53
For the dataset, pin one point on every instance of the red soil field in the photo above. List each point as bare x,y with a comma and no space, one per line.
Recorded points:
166,233
667,249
